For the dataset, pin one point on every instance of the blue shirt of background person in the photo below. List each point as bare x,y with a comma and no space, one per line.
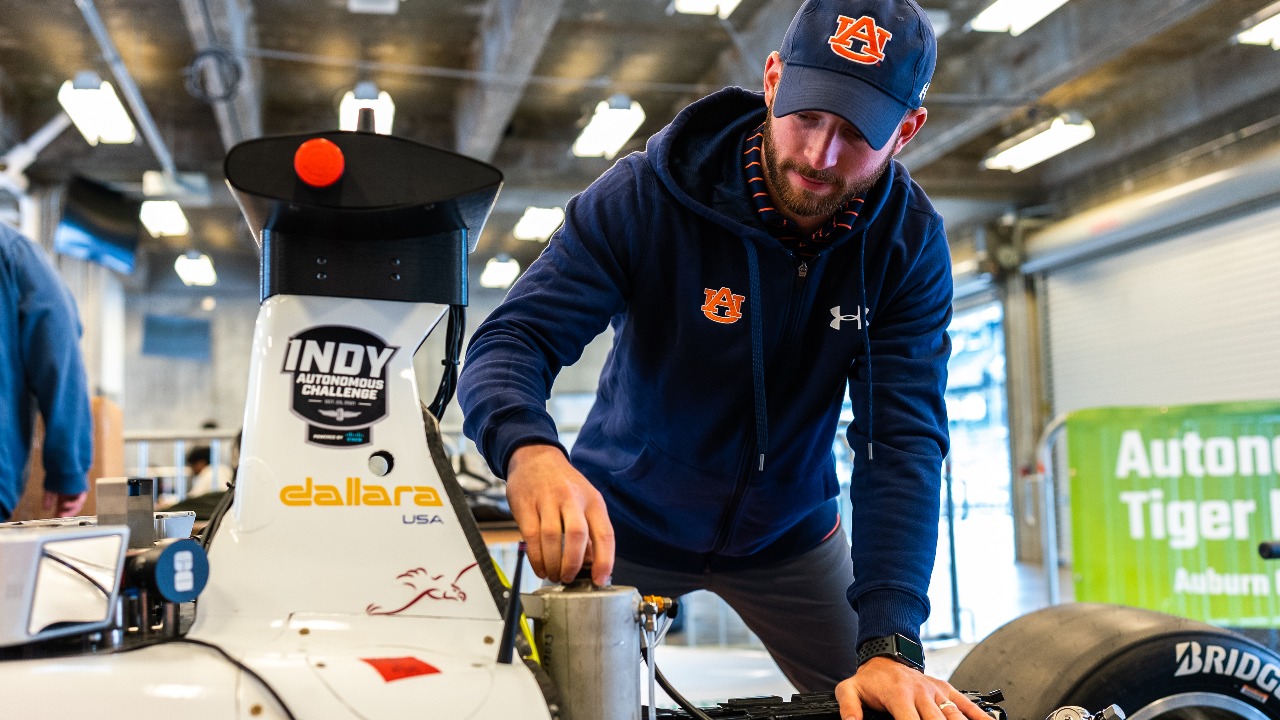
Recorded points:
40,368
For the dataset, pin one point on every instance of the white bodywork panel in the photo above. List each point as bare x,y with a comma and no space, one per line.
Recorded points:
351,594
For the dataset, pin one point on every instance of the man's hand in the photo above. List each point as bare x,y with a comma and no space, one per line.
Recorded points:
885,684
559,513
62,504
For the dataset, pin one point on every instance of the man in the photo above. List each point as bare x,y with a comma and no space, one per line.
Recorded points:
762,253
40,367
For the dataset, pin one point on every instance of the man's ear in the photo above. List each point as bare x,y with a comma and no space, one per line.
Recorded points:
772,74
911,125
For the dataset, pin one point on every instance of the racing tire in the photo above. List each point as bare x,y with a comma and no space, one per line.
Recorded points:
1154,666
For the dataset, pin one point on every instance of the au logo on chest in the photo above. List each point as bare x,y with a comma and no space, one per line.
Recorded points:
722,306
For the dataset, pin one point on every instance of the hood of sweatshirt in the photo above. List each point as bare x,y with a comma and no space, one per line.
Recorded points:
697,157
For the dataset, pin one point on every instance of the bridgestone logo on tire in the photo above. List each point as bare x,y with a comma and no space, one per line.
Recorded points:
1231,662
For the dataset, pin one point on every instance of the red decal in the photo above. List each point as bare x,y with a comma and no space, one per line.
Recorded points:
400,668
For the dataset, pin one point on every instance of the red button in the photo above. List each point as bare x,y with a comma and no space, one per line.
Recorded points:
319,162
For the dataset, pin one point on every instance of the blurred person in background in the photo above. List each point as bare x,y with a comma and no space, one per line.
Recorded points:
41,370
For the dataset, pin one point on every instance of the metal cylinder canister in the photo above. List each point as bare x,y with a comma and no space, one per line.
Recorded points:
588,638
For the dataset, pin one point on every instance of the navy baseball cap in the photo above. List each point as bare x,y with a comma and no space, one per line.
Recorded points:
868,61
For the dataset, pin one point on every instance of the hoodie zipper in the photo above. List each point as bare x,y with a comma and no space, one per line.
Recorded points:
797,302
745,467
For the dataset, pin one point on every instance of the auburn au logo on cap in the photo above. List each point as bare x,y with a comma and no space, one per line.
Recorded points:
864,30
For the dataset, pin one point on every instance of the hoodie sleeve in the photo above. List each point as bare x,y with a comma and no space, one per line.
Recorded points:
49,332
900,437
564,300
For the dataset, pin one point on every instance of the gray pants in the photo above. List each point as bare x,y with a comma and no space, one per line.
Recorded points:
797,608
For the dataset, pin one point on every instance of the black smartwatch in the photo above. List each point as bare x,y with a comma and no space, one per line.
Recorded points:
897,646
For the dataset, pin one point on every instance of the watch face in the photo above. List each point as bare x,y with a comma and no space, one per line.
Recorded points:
909,650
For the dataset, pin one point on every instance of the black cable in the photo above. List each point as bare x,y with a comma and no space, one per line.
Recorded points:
225,64
215,519
511,620
245,669
67,564
228,657
681,700
453,351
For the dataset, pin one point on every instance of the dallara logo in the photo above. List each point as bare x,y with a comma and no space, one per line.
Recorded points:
357,492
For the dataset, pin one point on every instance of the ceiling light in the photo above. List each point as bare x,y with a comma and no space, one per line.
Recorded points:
1263,28
538,223
164,217
365,95
499,272
1013,16
614,122
724,8
96,110
373,7
195,268
1039,143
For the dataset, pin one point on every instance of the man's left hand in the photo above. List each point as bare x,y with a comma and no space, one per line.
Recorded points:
885,684
62,504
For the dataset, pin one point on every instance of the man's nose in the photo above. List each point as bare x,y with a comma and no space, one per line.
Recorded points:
821,150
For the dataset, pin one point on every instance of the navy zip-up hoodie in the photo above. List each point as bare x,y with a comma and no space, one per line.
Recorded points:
711,434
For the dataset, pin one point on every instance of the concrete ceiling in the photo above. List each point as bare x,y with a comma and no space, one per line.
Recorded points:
511,81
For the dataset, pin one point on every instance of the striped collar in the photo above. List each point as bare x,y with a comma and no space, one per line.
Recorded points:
780,227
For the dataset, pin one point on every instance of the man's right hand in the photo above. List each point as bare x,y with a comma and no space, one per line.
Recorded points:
559,514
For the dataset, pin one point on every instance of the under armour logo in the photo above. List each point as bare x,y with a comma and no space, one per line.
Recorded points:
856,317
865,31
725,300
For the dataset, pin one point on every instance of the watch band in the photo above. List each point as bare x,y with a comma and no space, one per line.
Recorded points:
897,647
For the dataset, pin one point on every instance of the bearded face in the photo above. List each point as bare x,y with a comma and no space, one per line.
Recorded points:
783,156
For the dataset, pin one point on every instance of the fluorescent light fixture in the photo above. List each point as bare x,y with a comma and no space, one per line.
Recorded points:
365,95
1039,143
1263,28
538,223
163,217
373,7
1013,16
614,122
95,109
499,272
195,268
724,8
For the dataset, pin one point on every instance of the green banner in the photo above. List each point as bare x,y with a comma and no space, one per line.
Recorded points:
1168,505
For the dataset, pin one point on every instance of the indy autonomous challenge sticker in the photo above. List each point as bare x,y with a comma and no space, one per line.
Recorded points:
339,383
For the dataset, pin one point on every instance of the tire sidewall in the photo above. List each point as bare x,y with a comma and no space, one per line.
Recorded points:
1184,662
